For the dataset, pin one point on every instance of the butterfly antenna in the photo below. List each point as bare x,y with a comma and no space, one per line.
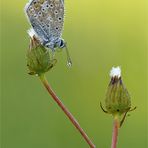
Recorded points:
69,61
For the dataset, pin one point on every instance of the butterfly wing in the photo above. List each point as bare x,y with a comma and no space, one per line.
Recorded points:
56,14
46,18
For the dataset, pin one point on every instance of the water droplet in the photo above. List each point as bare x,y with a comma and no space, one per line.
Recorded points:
69,63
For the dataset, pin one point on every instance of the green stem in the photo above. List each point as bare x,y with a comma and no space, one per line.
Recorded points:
65,110
116,126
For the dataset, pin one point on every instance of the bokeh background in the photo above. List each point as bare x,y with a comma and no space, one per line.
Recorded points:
100,34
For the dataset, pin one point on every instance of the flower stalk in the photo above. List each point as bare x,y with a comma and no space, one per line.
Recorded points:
65,110
116,126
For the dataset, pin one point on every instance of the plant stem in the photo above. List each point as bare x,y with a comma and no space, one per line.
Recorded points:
115,132
65,110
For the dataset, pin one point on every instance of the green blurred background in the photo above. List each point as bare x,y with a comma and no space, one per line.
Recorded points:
100,34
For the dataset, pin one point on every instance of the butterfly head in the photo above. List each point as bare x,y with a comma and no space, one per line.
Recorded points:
60,43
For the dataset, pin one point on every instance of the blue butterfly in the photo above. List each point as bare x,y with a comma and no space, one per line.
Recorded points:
47,19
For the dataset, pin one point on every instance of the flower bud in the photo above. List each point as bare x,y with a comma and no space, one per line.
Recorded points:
38,57
117,99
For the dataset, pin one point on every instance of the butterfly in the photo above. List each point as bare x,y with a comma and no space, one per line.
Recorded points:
47,19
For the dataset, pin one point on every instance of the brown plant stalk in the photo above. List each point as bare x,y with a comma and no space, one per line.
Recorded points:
66,111
115,132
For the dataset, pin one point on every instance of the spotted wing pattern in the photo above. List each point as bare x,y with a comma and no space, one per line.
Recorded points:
46,18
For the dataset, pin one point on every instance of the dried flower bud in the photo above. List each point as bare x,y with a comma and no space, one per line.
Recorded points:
38,58
117,97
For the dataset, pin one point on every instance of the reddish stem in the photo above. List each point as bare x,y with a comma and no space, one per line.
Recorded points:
66,111
115,132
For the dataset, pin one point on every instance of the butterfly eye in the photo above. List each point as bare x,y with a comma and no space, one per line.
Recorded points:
62,44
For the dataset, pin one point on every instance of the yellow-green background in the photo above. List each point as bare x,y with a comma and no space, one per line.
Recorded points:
100,34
